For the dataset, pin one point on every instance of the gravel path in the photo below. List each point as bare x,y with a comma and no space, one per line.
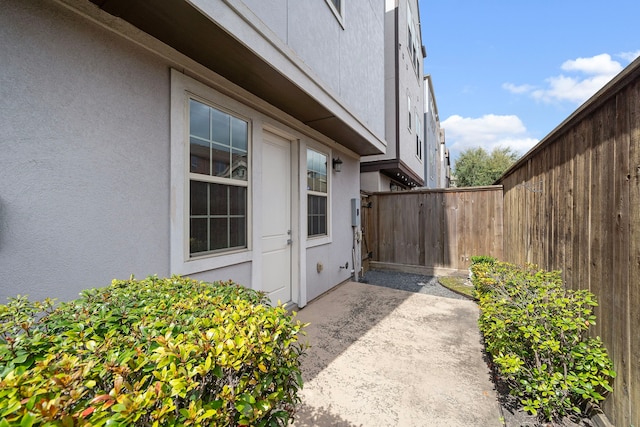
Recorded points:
409,282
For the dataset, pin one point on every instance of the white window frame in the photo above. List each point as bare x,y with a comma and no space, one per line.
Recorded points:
184,88
224,181
410,114
413,41
418,139
338,12
313,241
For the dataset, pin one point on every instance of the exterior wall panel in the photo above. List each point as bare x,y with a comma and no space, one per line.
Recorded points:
85,157
347,59
84,145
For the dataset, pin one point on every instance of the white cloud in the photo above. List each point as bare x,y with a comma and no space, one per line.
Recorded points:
599,65
583,78
489,131
517,89
629,56
563,88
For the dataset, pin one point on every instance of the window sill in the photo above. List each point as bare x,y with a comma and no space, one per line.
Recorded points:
318,241
206,263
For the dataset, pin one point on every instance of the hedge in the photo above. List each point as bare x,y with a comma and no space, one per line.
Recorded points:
537,334
153,352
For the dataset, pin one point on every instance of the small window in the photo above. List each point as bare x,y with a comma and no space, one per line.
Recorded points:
218,180
409,111
418,139
413,40
317,194
337,7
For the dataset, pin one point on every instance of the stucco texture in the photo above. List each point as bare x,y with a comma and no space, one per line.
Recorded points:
84,143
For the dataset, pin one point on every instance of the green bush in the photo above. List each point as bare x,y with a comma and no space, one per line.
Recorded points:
155,352
479,259
537,334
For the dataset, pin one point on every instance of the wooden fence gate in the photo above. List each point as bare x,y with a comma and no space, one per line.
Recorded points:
434,232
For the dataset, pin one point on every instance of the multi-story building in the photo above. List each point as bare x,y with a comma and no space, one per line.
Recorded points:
209,138
401,167
437,169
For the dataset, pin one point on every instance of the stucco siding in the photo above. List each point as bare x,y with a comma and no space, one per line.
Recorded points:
84,147
347,59
345,186
392,97
316,41
432,141
410,82
403,86
273,14
86,173
361,61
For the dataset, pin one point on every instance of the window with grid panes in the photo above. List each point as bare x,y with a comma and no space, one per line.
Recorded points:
218,180
317,193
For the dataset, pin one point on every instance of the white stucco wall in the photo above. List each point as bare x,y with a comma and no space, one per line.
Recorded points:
410,84
402,81
432,142
347,59
370,181
83,153
85,160
345,186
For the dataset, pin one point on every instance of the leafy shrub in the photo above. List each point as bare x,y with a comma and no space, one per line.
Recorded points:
537,334
481,281
479,259
155,352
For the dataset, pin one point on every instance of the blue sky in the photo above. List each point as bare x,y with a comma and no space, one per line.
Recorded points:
507,72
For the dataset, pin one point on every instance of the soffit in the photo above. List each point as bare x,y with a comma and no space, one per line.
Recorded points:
181,26
394,169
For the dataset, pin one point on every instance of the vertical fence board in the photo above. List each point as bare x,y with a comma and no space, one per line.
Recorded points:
587,223
451,224
634,255
598,183
580,211
407,225
567,207
620,265
432,226
385,229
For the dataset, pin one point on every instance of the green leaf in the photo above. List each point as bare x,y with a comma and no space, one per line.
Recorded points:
27,420
21,358
118,407
11,408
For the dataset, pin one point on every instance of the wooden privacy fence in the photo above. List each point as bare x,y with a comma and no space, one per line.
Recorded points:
432,231
573,204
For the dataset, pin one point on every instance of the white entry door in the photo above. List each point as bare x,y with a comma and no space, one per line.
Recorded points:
276,218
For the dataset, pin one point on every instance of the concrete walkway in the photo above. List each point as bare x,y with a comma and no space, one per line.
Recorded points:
386,357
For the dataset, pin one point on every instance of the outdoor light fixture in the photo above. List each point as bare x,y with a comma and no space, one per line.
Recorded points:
337,164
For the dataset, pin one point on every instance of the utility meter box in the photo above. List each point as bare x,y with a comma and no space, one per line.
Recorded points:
355,212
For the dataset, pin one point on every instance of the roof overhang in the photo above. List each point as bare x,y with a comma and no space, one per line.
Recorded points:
182,26
395,170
